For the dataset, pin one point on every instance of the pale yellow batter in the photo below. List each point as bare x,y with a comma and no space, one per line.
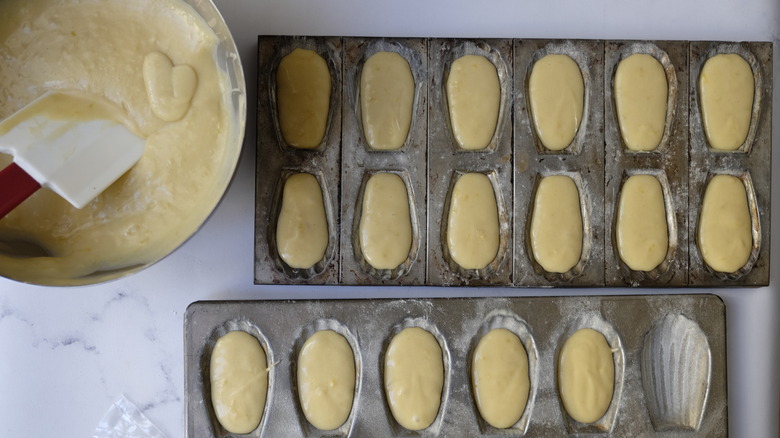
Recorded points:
642,233
474,97
725,235
326,379
556,93
170,88
72,106
586,375
556,224
499,376
303,85
472,223
726,89
641,94
414,378
302,226
386,99
162,200
239,381
385,222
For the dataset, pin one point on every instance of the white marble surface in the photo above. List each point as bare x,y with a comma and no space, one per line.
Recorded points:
66,354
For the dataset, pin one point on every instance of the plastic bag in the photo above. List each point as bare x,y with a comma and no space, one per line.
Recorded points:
124,420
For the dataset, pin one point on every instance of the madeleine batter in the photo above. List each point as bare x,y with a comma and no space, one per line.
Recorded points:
71,106
386,99
586,375
385,222
326,379
641,229
556,224
641,94
556,93
474,97
302,226
499,377
170,88
414,378
163,199
726,90
303,85
472,222
239,381
725,230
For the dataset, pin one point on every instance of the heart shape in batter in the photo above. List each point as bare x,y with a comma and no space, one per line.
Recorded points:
170,88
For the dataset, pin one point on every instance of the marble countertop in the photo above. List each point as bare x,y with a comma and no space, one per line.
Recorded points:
68,353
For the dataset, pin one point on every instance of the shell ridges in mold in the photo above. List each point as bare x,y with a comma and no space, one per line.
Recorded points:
676,368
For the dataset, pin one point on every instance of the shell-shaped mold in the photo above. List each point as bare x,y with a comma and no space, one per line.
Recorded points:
607,422
434,429
676,372
518,327
252,329
541,222
755,223
758,78
584,62
364,81
492,55
329,55
376,201
307,332
462,228
330,221
634,277
651,49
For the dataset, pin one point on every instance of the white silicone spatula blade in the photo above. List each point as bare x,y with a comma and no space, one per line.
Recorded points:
77,158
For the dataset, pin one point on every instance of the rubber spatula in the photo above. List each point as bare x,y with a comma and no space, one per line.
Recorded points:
68,143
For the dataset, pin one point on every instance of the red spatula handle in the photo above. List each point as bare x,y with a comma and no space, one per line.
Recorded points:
15,186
